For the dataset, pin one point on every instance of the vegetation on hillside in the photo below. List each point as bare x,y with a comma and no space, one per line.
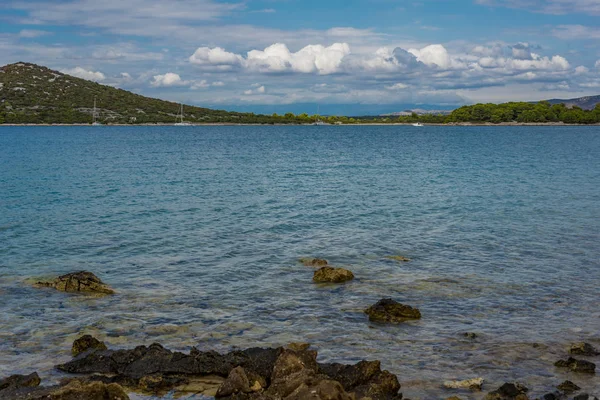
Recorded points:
37,95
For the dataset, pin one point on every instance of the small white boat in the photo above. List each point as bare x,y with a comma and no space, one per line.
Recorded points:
180,118
417,124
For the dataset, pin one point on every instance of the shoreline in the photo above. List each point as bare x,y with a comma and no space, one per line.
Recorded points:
462,124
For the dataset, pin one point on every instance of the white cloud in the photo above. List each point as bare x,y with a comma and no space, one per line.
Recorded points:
571,32
260,89
397,86
168,79
218,83
33,33
310,59
85,74
557,7
581,70
215,57
433,55
597,65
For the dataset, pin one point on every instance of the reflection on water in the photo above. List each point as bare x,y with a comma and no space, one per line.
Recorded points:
199,230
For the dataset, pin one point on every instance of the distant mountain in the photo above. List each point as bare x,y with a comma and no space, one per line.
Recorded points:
586,103
31,93
419,111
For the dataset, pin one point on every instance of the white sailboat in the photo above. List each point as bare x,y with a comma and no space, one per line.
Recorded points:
417,124
319,122
180,118
95,115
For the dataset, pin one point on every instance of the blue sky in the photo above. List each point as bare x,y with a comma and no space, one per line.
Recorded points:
348,57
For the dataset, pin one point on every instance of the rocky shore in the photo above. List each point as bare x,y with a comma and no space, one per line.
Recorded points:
290,372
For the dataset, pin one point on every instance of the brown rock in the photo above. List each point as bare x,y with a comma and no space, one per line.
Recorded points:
76,390
333,275
399,258
583,349
236,382
20,381
388,310
78,282
577,365
85,343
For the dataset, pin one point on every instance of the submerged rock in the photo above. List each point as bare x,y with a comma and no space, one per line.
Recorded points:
20,381
399,258
568,386
78,282
584,396
85,343
577,365
314,262
583,349
470,335
333,275
388,310
509,391
473,384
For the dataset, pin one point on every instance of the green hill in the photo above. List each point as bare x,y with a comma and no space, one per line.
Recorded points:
31,93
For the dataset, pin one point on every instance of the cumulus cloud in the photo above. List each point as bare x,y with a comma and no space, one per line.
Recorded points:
260,89
434,55
277,58
597,65
397,86
33,33
168,79
83,73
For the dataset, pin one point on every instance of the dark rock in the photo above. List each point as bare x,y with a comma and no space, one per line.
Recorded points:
236,382
388,310
583,349
313,262
85,343
508,391
78,282
584,396
552,396
20,381
76,390
470,335
351,376
568,386
577,365
334,275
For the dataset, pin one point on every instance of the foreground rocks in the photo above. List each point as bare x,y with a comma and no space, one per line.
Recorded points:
21,387
388,310
261,374
85,343
583,349
474,384
509,391
332,275
78,282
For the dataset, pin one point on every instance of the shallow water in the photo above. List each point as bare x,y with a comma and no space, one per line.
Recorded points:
200,228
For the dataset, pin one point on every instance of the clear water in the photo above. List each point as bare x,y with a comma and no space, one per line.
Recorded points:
200,228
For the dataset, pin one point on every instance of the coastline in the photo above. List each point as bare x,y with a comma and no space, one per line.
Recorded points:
462,124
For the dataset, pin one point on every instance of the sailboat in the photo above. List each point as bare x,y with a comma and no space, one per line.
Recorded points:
94,115
319,122
180,118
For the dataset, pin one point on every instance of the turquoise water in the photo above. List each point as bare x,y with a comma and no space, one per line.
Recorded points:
199,230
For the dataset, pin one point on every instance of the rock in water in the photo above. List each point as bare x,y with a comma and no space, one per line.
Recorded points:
583,349
313,262
85,343
509,391
333,275
388,310
20,381
76,390
568,386
78,282
577,365
399,258
473,384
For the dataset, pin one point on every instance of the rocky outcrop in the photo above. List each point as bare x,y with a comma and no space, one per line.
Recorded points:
509,391
577,365
314,262
568,387
20,387
85,343
332,275
78,282
583,349
267,374
388,310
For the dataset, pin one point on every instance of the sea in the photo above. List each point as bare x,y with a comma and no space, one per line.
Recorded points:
200,228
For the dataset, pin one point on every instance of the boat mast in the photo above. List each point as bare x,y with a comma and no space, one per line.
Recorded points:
94,113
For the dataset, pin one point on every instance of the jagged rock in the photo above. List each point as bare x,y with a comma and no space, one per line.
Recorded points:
577,365
553,396
583,349
473,384
298,346
470,335
509,391
313,262
388,310
568,386
333,275
236,382
584,396
85,343
399,258
454,398
78,282
20,381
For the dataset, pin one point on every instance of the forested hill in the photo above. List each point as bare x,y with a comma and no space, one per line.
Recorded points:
31,93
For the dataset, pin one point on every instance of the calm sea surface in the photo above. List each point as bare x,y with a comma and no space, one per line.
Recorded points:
199,229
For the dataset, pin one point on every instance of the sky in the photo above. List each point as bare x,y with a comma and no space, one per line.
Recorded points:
347,57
